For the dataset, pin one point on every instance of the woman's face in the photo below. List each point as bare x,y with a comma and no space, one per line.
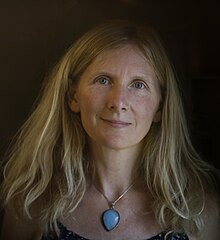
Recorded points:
118,98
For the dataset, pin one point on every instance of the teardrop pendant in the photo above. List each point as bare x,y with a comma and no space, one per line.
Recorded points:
110,219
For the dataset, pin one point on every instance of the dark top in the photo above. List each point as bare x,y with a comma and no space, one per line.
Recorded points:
66,234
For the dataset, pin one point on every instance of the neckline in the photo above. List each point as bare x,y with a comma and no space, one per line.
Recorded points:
66,232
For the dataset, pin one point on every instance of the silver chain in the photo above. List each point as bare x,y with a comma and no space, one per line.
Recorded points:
112,204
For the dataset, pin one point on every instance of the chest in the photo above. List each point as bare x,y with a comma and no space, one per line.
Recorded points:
136,219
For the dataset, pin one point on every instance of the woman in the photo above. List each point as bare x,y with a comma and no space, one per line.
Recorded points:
106,154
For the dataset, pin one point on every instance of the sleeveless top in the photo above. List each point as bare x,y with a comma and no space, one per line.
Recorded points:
66,234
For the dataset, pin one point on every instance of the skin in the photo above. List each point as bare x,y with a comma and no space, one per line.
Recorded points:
118,99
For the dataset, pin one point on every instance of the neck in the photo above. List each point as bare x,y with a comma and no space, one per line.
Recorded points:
115,170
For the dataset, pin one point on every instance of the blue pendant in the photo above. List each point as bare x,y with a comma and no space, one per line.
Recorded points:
110,219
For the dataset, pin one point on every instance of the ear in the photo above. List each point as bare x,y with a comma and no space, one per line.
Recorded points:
157,116
74,102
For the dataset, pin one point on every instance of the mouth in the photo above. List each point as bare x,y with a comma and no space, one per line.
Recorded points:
116,123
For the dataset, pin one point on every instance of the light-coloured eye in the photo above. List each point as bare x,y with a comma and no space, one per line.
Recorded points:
103,80
139,85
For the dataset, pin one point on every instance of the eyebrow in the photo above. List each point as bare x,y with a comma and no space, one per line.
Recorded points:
96,74
144,76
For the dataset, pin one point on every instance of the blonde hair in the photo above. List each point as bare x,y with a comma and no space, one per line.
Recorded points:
48,167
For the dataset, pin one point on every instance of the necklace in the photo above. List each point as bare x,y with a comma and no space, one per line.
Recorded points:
111,217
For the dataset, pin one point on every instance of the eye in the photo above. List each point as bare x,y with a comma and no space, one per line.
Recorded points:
102,80
139,85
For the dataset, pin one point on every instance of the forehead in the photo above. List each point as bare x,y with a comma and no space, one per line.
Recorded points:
128,57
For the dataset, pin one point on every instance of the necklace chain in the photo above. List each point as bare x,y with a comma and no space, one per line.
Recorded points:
112,203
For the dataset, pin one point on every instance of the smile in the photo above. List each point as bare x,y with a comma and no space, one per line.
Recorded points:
116,123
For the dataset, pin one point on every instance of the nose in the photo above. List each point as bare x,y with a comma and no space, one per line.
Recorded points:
118,99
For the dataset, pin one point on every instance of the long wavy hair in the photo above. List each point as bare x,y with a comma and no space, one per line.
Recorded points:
47,167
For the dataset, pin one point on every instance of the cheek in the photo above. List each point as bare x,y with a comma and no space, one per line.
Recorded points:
90,104
86,100
147,109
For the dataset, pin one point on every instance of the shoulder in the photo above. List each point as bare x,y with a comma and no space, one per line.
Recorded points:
211,228
14,227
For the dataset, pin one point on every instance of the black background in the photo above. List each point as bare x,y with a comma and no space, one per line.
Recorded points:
35,34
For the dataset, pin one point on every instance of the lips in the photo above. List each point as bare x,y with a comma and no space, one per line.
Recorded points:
116,123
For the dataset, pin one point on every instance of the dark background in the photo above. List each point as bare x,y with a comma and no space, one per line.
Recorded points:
35,34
